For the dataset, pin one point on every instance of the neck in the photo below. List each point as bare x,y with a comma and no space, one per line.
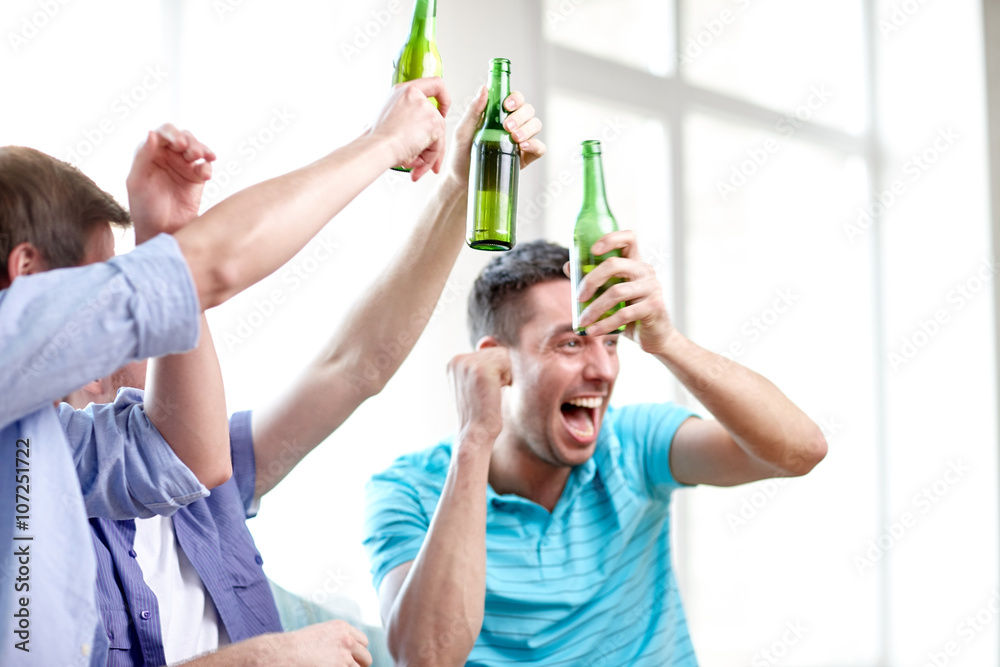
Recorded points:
424,19
495,114
514,468
593,184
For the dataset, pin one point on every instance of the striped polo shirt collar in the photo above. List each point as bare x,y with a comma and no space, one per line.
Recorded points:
600,470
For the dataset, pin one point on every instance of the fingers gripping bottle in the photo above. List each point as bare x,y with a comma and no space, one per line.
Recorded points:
419,56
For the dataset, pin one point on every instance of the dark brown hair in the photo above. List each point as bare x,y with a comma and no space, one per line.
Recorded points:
496,304
52,205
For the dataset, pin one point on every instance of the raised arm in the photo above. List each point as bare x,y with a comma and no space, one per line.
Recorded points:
392,313
249,235
185,398
759,434
443,591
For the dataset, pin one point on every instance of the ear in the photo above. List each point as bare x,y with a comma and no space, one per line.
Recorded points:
486,342
95,388
24,260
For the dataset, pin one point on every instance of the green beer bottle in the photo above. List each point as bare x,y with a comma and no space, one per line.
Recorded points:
493,171
595,220
419,56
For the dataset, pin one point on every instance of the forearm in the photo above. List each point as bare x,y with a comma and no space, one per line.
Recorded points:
249,235
760,418
261,651
384,324
185,400
398,306
445,590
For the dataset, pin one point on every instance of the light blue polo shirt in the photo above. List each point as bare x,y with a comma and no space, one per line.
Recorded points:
589,584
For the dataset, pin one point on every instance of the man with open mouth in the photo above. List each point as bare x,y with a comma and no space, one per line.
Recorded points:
540,533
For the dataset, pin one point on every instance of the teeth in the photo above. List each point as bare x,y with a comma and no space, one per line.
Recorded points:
592,402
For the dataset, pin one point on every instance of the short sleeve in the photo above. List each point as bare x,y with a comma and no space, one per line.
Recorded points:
244,462
646,433
61,329
395,522
125,467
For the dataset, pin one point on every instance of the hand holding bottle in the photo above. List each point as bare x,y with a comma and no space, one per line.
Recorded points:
645,314
522,123
413,127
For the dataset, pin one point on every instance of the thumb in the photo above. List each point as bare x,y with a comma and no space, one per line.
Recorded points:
467,126
148,145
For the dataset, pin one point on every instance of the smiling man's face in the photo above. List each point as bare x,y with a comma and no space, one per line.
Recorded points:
561,382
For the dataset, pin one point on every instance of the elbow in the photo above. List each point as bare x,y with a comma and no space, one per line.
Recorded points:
362,368
217,276
222,281
373,387
448,648
215,268
807,453
216,475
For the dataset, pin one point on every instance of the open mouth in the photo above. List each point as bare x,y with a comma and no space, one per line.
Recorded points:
580,417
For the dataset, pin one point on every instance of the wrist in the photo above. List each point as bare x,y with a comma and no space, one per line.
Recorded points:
454,185
383,149
271,649
479,435
671,343
472,453
453,190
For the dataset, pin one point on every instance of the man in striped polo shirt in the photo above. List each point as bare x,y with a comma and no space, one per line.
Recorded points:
540,533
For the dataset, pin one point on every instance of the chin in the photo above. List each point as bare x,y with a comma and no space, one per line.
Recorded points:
572,453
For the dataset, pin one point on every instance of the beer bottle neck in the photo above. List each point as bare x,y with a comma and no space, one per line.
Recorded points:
594,198
499,90
424,20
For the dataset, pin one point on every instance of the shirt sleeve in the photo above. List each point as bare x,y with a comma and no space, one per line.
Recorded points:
646,432
125,467
244,463
64,328
395,522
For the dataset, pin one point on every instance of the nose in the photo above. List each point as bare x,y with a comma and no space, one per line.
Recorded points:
601,361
